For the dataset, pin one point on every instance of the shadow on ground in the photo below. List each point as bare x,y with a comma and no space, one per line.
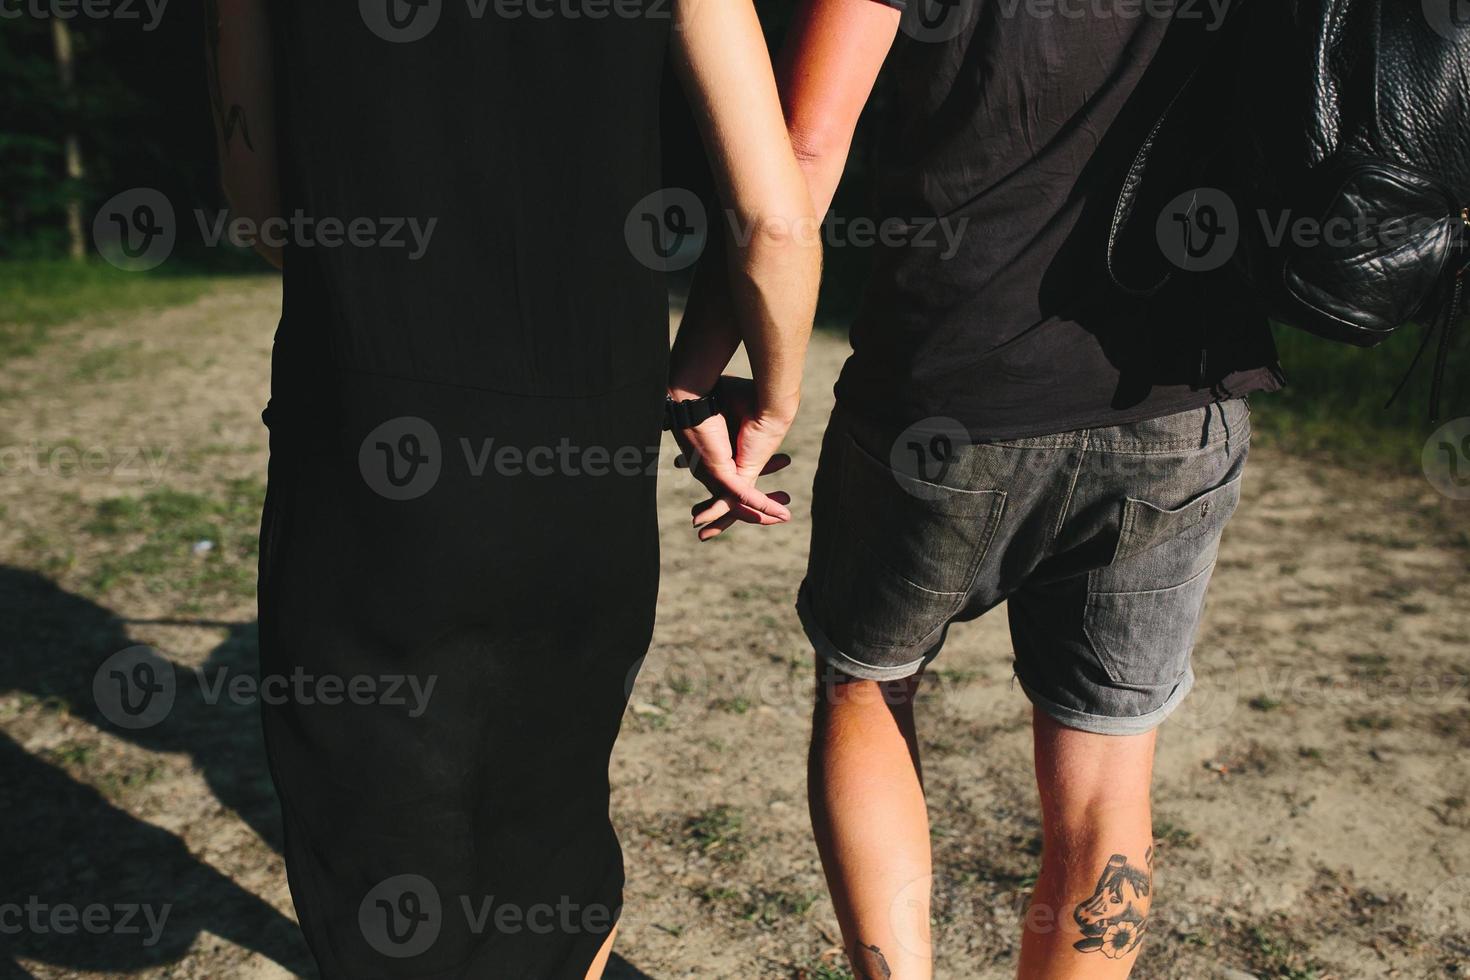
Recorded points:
141,898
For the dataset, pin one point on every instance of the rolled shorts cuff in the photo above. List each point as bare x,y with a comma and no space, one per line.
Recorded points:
828,651
1110,725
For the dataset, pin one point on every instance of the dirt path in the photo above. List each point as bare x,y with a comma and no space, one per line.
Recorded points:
1311,796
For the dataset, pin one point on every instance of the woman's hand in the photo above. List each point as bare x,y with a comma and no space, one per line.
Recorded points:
729,451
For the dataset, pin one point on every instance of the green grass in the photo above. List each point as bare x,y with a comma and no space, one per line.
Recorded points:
718,832
151,538
1172,835
770,907
1333,404
1278,956
36,295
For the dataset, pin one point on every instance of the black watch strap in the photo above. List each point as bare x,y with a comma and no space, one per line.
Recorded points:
688,414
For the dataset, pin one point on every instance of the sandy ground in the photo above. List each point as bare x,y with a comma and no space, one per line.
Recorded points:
1311,796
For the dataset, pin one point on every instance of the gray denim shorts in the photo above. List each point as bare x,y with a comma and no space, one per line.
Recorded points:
1101,541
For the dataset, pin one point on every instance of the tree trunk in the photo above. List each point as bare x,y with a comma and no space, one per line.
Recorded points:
66,69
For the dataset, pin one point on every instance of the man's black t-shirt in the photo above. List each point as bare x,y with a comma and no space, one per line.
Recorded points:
1011,123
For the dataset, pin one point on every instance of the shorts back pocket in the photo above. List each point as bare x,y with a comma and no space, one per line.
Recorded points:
1144,608
903,558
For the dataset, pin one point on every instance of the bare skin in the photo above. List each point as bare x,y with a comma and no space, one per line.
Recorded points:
599,965
1089,910
866,793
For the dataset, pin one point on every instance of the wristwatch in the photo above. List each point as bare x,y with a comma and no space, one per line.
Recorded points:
688,414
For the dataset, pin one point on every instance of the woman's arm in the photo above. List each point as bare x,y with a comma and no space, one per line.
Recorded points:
770,242
829,63
241,81
775,265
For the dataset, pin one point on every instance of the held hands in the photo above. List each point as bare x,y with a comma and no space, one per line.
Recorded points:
728,452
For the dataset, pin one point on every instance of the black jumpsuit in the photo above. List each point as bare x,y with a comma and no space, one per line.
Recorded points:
459,558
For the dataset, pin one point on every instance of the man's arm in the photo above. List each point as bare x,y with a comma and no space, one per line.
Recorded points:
237,54
827,69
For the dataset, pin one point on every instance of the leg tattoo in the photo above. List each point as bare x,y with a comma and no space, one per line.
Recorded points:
1114,918
874,965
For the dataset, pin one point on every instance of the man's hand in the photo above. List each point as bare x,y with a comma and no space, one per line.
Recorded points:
728,452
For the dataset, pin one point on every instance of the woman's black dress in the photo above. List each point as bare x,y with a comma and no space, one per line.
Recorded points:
459,556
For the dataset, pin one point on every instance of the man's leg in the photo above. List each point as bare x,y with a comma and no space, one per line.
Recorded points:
866,794
1089,911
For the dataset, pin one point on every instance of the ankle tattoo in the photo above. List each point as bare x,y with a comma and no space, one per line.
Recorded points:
871,964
